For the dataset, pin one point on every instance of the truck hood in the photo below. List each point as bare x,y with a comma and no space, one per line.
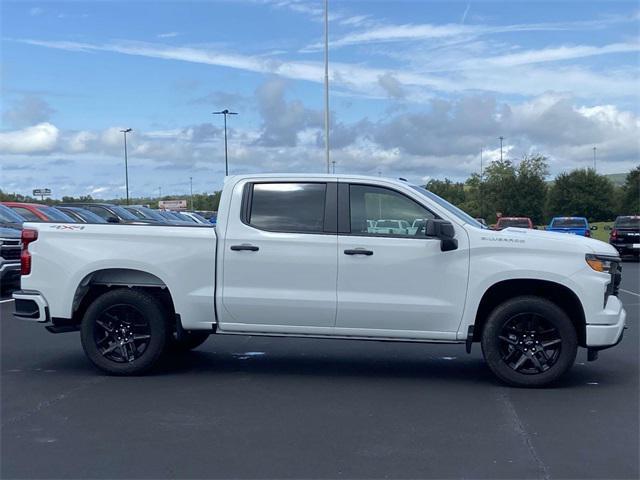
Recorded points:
559,241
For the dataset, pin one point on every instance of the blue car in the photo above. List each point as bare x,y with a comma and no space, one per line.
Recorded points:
574,225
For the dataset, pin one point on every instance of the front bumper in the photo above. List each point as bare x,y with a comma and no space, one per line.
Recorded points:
606,327
31,305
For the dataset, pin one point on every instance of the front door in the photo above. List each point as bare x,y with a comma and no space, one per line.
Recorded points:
280,259
392,280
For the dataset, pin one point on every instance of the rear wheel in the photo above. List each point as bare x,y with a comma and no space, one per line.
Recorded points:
529,341
124,332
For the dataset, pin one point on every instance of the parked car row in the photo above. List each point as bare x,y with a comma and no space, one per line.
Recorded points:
18,212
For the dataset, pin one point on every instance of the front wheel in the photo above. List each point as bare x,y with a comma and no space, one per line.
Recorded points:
529,342
124,332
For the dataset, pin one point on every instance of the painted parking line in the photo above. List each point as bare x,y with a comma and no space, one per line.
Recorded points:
7,300
629,292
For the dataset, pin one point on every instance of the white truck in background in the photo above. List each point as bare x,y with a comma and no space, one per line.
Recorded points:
298,255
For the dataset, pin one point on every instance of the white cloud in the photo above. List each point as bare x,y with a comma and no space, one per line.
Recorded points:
35,11
168,35
41,138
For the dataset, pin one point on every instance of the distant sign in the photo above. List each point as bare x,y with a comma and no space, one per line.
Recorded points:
41,192
172,204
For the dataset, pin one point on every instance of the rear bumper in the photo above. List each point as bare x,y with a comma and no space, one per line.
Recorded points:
10,272
627,247
606,327
31,305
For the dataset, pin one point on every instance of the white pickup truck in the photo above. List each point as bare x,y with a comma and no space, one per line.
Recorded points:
296,255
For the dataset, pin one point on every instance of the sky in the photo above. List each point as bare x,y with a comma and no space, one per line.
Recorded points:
417,89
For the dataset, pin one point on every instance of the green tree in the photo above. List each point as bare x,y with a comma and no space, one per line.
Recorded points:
451,191
630,194
581,193
531,188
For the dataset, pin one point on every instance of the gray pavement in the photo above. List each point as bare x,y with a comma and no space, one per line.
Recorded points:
255,407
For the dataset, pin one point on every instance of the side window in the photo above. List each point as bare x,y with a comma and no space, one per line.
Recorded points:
28,215
288,207
380,211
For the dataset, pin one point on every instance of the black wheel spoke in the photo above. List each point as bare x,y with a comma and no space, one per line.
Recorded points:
124,331
521,361
549,343
529,343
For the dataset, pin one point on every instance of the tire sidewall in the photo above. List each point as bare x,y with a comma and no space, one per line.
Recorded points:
151,310
554,315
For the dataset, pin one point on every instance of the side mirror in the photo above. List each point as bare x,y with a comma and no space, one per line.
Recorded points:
443,230
113,220
594,227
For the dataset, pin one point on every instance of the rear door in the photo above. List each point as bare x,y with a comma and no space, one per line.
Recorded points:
280,258
396,283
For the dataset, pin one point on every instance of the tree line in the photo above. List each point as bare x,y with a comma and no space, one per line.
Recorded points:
522,189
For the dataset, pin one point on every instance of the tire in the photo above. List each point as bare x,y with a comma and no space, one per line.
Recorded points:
525,354
188,341
124,332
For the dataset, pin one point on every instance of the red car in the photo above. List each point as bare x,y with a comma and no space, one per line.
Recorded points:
35,212
520,222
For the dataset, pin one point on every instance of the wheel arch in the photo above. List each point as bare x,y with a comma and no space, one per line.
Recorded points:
101,281
561,295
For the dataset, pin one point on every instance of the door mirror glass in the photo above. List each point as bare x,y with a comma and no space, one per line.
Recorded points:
594,227
442,229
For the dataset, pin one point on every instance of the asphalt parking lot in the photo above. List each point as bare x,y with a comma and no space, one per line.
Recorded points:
252,407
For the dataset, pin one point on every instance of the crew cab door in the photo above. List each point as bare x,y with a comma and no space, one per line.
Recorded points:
280,258
395,283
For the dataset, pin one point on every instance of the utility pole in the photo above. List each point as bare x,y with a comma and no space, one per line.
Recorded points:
191,190
594,159
501,139
326,82
225,112
333,163
126,166
159,193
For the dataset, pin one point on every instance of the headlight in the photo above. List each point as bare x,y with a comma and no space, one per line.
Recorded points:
602,263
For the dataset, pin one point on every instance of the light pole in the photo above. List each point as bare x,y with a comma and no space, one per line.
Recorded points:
126,166
594,159
225,112
159,193
326,82
481,179
501,139
191,190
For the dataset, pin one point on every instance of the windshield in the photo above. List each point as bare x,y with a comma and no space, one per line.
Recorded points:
199,217
56,215
628,222
465,217
513,222
88,216
9,216
569,223
123,213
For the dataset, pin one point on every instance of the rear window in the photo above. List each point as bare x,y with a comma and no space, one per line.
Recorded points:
288,207
26,214
506,222
628,222
569,223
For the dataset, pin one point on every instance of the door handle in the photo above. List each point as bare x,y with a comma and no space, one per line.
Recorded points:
358,251
250,248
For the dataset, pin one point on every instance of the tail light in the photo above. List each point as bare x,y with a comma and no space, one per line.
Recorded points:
28,236
614,234
587,233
